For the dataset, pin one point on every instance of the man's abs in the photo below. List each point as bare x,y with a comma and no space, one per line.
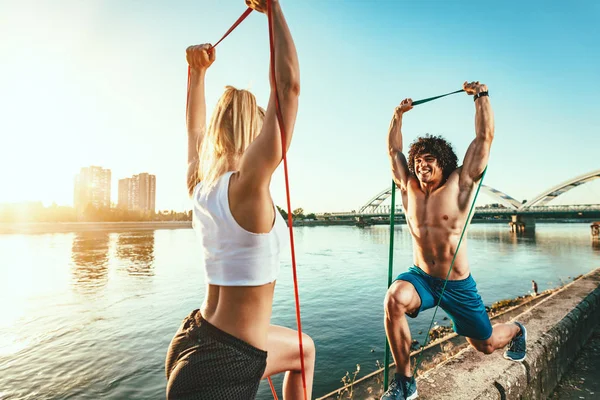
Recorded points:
433,252
436,228
436,220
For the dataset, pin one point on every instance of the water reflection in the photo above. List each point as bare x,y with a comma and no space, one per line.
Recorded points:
491,233
137,249
380,234
526,237
89,255
596,245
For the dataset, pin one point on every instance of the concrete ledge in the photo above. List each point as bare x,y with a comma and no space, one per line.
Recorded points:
557,328
369,386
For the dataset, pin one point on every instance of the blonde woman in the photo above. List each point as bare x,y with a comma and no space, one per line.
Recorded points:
224,349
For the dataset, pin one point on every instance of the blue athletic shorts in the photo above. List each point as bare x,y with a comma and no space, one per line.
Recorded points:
460,301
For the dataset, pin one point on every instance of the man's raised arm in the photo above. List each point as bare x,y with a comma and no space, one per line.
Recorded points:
397,158
478,153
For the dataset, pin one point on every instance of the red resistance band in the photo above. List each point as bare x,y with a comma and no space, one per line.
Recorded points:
287,190
287,184
235,25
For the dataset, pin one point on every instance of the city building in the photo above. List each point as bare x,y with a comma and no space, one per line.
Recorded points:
138,192
125,198
92,186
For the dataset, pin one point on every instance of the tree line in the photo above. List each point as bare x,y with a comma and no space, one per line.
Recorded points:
36,212
298,214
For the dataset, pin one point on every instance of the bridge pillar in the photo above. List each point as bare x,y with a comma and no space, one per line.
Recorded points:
595,230
520,224
362,221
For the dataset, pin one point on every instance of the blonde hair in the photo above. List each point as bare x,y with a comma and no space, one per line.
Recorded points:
235,122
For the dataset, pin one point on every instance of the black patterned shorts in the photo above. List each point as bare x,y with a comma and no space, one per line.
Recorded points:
206,363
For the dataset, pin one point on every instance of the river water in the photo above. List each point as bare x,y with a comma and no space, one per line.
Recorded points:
90,315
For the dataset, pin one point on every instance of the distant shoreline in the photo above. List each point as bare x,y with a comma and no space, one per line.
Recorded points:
67,227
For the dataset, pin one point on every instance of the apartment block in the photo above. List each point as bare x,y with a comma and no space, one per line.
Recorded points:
138,192
92,186
125,198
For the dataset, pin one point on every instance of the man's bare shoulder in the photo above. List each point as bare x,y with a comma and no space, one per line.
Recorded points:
454,178
413,183
464,183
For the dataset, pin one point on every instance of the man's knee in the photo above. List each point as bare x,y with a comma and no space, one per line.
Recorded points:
399,300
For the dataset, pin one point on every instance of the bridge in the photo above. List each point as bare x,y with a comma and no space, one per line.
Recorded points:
371,207
562,211
522,215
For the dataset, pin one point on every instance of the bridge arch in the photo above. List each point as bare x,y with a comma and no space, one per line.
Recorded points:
504,198
560,189
376,201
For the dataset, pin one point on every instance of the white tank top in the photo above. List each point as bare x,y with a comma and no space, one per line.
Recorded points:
234,256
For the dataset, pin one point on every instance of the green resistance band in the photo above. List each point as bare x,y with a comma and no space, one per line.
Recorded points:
389,282
417,102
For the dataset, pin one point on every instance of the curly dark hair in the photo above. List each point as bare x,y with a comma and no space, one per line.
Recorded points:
438,147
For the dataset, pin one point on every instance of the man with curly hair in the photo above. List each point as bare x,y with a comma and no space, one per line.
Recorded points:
436,198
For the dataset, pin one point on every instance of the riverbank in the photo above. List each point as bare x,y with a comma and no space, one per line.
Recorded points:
566,326
443,344
558,327
65,227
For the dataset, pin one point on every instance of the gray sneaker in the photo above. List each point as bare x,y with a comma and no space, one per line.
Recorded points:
517,348
395,391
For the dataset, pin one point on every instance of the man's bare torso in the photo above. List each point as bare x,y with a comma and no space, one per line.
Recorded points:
436,221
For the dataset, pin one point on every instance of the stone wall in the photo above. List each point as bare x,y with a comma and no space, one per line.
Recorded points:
557,327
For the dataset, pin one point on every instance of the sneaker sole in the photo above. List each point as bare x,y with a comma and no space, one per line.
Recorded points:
413,396
525,356
515,359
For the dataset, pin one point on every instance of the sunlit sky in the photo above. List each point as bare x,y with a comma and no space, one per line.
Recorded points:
103,83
